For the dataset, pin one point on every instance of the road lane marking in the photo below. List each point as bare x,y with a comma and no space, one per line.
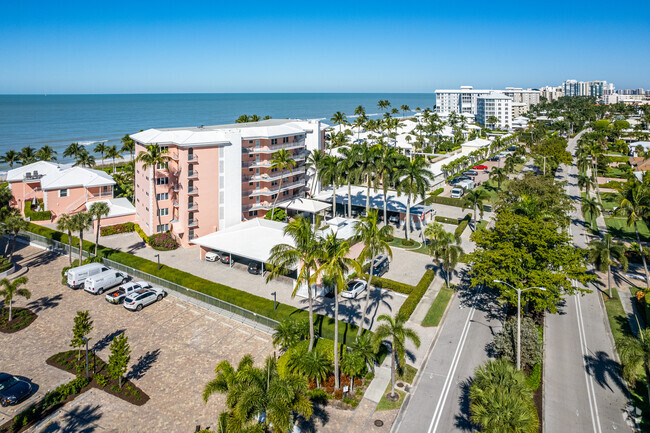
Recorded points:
591,393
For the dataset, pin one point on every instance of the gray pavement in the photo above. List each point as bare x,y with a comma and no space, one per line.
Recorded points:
583,389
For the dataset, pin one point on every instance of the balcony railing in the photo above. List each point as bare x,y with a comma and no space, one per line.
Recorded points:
193,190
175,204
192,157
268,177
260,164
274,189
192,206
194,222
192,174
256,206
274,147
176,187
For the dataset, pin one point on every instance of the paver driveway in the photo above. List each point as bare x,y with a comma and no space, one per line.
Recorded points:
175,348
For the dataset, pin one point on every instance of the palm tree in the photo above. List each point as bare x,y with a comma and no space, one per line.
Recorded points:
474,199
27,155
66,223
585,182
414,179
101,148
98,210
633,203
376,241
14,224
335,266
353,365
11,157
364,347
396,331
113,152
81,221
590,207
606,252
499,174
446,250
11,289
289,333
339,119
304,252
73,150
85,159
313,364
128,145
635,356
386,164
314,161
151,158
46,153
350,170
330,173
404,109
282,160
367,159
360,111
383,104
358,123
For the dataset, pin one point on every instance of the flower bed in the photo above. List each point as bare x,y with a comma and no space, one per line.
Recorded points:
117,229
163,242
67,361
21,318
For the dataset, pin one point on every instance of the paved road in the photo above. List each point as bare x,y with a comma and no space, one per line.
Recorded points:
438,401
583,390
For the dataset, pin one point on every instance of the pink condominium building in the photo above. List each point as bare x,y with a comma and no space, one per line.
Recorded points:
220,175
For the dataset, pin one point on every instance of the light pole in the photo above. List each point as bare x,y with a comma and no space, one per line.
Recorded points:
519,316
158,257
275,302
85,340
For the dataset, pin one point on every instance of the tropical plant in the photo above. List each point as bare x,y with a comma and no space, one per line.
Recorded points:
81,221
119,359
128,145
414,179
635,356
339,119
585,182
446,251
350,170
353,365
363,346
605,253
14,224
383,104
335,266
395,330
282,160
315,162
499,174
386,165
505,342
313,364
11,157
98,210
113,152
73,150
153,156
290,332
330,174
84,159
474,199
375,241
591,208
66,224
9,289
101,148
404,109
46,153
83,325
27,155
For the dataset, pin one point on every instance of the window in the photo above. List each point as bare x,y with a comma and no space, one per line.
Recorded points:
275,182
252,213
106,189
163,211
162,166
274,141
162,196
285,193
63,193
285,139
250,183
164,148
250,141
273,196
162,181
162,228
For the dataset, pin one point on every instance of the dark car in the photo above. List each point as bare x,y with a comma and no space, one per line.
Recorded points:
457,180
13,389
470,173
255,268
380,266
512,148
225,259
494,158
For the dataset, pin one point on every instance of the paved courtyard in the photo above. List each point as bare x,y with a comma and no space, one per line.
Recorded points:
175,348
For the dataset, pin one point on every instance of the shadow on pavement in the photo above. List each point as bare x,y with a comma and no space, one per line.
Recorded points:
79,419
462,419
604,369
143,364
106,340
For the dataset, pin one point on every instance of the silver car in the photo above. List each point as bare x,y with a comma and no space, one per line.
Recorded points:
355,287
139,299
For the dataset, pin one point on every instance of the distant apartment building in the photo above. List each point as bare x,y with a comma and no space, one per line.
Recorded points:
218,176
466,100
551,93
528,97
495,105
586,88
64,189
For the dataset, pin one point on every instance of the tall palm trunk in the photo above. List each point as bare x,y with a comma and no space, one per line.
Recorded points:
276,197
349,199
392,370
99,220
408,216
595,176
365,309
333,200
70,246
311,313
645,265
609,280
336,340
10,305
81,245
368,194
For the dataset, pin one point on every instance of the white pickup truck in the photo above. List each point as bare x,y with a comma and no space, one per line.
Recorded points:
117,296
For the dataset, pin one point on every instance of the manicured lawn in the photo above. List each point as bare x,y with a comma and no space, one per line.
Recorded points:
408,374
434,315
385,404
481,224
609,200
619,229
490,187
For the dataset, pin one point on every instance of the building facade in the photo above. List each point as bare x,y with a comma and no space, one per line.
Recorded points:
495,105
218,176
551,93
586,88
466,100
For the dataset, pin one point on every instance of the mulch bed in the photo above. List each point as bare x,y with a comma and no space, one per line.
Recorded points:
67,361
21,318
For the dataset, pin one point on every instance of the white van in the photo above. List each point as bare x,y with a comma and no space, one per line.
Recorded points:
77,276
96,284
457,192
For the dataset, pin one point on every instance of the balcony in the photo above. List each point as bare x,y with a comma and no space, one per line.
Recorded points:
176,187
275,147
193,190
268,177
192,174
192,157
256,206
194,222
173,156
274,189
192,206
257,164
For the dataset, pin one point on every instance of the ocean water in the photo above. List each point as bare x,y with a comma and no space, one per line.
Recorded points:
58,120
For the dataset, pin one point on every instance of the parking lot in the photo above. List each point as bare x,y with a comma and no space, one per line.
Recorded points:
405,269
175,348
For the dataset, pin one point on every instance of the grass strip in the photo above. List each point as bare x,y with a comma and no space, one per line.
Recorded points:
437,309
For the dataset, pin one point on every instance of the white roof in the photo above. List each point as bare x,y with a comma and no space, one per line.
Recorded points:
54,176
477,143
343,228
117,207
252,239
394,202
644,144
304,205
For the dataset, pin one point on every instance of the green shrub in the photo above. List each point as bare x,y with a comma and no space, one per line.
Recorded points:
140,232
438,191
385,283
418,292
5,264
461,227
101,380
408,242
278,215
318,396
535,379
325,346
117,229
446,220
458,202
45,215
163,242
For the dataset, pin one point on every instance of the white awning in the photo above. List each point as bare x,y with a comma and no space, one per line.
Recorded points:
304,205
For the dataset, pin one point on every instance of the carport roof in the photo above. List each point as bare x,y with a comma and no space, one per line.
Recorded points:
304,205
252,239
394,202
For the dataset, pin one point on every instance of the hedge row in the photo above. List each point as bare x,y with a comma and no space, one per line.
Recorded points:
438,191
385,283
117,229
45,215
447,220
256,304
463,225
451,202
142,234
408,307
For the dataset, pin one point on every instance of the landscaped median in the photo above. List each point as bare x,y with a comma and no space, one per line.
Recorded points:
437,309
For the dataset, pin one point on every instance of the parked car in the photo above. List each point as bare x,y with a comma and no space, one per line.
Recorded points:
480,167
255,268
470,173
212,256
495,158
143,297
117,296
355,287
457,180
77,276
104,280
394,218
380,265
13,389
225,259
457,192
512,148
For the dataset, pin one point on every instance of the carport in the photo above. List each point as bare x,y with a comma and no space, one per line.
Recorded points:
252,239
304,205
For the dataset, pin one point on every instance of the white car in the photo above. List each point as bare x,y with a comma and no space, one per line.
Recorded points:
355,287
212,256
118,295
139,299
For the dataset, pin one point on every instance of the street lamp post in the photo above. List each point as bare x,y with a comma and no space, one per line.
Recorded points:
158,257
275,302
519,316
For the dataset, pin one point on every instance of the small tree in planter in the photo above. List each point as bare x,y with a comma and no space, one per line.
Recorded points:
83,324
353,365
11,289
119,358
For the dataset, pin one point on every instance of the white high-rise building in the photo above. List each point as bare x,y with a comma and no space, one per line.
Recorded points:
495,105
586,88
465,100
528,97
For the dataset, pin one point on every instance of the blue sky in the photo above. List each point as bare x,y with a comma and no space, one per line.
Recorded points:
249,46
